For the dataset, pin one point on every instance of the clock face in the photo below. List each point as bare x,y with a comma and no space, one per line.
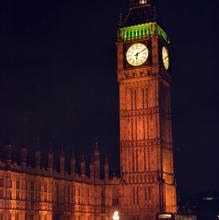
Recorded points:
137,54
165,58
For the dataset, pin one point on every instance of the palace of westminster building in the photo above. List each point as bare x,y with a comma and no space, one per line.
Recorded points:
146,185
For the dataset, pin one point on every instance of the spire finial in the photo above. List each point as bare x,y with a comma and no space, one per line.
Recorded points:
96,141
96,150
73,155
136,3
38,144
142,2
50,148
62,151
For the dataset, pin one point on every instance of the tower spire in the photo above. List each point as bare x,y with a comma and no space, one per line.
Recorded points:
140,12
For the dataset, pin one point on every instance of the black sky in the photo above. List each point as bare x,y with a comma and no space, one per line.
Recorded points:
58,79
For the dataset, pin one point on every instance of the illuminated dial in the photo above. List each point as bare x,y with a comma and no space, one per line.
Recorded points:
165,58
137,54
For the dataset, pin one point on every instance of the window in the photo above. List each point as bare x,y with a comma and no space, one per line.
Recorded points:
16,217
32,186
17,195
17,184
1,194
79,197
9,194
115,201
102,198
1,182
45,187
133,195
9,183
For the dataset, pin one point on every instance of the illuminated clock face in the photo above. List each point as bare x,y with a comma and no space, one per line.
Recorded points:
137,54
165,58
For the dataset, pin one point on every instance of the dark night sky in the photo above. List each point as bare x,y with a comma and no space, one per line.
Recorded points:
58,79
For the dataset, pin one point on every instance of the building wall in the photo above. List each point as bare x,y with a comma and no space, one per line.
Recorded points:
30,195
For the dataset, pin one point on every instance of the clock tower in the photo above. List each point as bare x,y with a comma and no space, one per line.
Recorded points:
146,146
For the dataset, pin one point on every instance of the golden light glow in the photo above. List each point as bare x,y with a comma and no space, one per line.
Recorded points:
143,2
137,54
116,215
165,58
165,216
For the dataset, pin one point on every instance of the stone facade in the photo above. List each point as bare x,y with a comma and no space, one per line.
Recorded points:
38,193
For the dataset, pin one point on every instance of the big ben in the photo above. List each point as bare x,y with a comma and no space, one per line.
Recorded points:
146,146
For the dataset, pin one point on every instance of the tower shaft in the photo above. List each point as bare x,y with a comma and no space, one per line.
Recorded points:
146,145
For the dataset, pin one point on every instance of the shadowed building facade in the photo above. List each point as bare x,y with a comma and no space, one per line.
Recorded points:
146,186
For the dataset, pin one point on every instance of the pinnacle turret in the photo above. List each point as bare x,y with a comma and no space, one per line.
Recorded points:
23,156
50,158
106,169
38,155
62,161
83,166
96,161
73,163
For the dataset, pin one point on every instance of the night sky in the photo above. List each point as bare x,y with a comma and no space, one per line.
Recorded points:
58,80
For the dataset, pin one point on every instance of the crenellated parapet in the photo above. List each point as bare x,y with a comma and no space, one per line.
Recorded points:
41,189
57,166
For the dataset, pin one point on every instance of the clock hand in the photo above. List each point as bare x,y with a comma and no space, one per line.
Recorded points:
139,53
142,50
136,55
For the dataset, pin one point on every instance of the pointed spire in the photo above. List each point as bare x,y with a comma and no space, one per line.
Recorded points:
73,163
62,161
92,172
83,166
96,150
23,156
140,12
106,169
50,158
97,161
38,144
8,149
50,148
62,151
37,155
